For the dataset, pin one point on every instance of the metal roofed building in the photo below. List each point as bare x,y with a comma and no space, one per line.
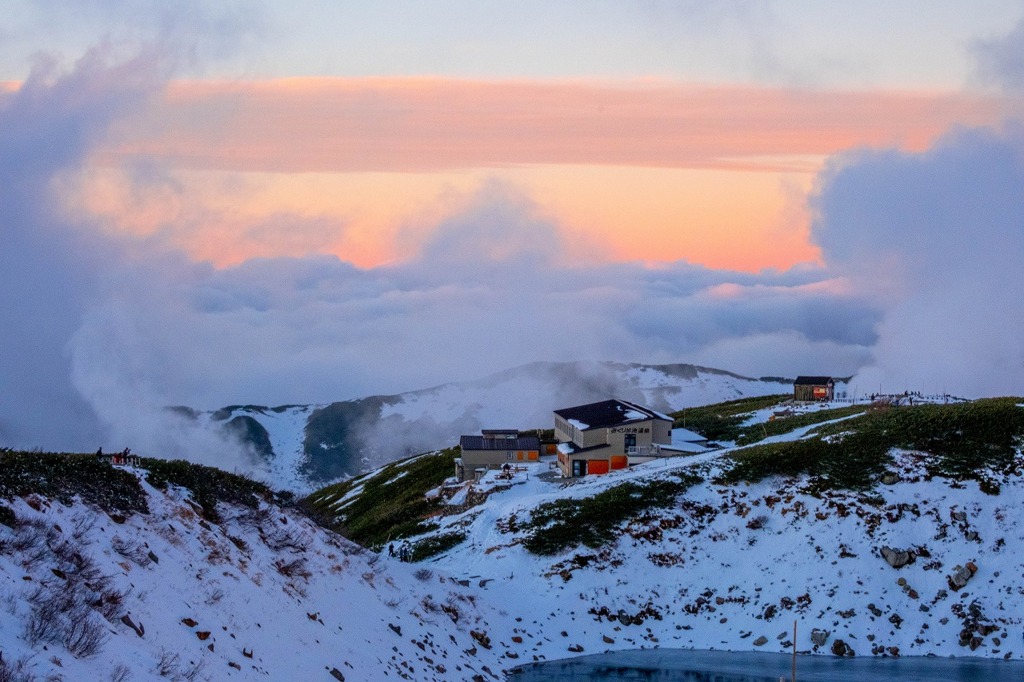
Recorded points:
814,388
599,437
493,449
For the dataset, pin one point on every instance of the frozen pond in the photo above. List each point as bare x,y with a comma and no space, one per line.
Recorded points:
680,665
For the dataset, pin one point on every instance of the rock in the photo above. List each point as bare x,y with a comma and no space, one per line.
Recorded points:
336,674
897,558
841,648
819,637
189,622
607,640
397,629
481,638
760,641
770,611
203,635
961,575
139,630
890,479
875,610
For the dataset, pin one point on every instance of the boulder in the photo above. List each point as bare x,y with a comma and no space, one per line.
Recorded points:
961,575
819,637
897,558
760,641
841,648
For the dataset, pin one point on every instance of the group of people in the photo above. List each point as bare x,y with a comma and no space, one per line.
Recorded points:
404,552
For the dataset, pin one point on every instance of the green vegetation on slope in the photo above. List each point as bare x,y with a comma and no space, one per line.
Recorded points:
594,521
207,484
723,421
390,504
780,425
63,476
964,441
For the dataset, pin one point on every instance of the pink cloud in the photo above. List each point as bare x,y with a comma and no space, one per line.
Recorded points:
406,124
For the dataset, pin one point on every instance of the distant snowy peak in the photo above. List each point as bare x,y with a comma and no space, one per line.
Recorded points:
300,447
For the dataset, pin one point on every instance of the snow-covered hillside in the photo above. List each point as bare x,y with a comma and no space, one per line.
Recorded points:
315,444
168,584
262,594
917,564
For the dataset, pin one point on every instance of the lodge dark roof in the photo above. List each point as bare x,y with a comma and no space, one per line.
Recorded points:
608,413
813,381
484,443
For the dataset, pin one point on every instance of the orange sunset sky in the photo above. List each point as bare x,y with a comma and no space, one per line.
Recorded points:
650,171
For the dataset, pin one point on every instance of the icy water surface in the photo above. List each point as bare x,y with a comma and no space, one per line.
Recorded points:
680,665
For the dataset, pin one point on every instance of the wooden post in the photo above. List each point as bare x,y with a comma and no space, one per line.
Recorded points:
794,651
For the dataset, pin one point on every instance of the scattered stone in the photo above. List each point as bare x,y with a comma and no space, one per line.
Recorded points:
841,648
336,674
819,637
877,612
397,629
481,638
760,641
203,635
139,629
607,639
961,575
897,558
189,622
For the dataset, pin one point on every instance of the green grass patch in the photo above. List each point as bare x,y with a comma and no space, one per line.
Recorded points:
64,476
207,484
392,502
780,425
723,421
594,521
963,441
435,544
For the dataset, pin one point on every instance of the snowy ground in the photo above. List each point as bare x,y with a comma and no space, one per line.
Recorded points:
267,595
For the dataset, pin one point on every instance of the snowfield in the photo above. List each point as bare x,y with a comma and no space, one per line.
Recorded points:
916,566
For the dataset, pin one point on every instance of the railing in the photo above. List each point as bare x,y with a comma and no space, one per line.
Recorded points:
644,450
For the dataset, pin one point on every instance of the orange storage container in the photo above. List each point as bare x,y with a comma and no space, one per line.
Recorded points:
597,466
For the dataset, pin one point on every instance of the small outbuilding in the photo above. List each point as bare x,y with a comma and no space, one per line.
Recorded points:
493,449
814,389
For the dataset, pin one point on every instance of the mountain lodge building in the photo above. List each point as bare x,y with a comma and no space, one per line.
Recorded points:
607,435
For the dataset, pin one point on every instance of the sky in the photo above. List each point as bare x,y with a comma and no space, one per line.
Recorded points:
207,204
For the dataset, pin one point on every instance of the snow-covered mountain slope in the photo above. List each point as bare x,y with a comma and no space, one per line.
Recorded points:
261,594
111,578
734,566
315,444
